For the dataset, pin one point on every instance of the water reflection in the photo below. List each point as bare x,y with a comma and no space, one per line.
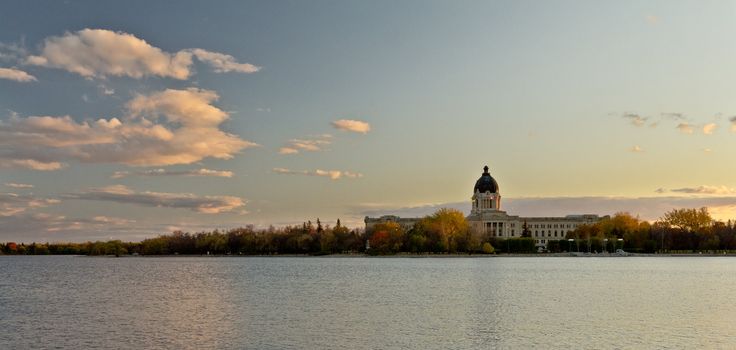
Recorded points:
366,303
116,303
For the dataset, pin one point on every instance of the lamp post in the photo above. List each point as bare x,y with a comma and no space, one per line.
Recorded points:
605,245
622,243
569,245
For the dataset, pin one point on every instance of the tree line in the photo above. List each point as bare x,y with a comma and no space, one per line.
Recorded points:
445,231
677,231
308,238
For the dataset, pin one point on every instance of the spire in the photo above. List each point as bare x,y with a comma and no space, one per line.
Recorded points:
485,169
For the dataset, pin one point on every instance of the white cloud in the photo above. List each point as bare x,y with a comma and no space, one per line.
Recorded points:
123,194
312,144
17,185
223,63
352,125
685,128
332,174
709,128
636,149
164,128
105,90
96,53
16,75
164,172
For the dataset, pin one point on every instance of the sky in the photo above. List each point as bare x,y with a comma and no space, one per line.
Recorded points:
127,120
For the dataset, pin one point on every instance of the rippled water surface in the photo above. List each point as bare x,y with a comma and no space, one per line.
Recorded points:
367,303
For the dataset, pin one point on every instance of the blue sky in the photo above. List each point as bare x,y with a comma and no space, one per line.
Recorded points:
129,119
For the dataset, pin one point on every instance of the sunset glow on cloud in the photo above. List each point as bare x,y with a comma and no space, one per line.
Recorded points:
138,123
99,53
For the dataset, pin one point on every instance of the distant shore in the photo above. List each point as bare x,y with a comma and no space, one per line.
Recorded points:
407,255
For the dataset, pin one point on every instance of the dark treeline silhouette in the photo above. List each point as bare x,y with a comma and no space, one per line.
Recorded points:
307,238
445,231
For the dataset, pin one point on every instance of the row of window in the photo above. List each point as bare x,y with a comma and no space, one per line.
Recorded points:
549,233
553,226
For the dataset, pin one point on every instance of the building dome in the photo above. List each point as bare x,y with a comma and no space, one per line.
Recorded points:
486,183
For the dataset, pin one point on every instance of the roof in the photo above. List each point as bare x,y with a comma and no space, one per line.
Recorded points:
486,183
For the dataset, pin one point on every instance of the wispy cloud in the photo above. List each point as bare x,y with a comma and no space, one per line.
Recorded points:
164,128
123,194
30,163
104,90
13,52
13,204
311,144
97,53
685,128
223,63
332,174
16,75
358,126
652,19
18,185
636,149
635,119
705,189
164,172
733,123
673,116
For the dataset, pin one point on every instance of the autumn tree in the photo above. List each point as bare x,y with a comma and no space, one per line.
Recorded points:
387,237
447,230
692,220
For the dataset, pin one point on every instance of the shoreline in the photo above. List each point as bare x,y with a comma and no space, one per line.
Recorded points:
394,256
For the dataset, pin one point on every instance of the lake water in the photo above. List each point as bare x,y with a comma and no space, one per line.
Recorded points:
367,303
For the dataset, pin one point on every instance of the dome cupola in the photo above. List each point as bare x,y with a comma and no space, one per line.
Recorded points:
486,183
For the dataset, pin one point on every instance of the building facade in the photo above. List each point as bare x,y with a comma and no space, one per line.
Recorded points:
487,220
